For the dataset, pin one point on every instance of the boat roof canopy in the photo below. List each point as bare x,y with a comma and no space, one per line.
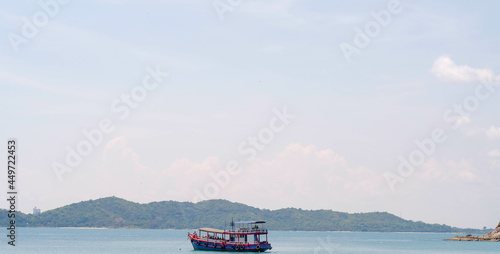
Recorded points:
250,222
212,230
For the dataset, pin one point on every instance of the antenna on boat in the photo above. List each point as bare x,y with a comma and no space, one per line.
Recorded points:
232,224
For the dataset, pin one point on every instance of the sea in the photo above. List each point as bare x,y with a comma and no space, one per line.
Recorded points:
81,240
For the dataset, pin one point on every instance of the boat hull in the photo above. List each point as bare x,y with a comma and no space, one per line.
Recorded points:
211,246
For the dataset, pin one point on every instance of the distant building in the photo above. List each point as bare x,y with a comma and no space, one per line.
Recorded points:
36,211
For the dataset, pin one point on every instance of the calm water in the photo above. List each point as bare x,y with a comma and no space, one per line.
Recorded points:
58,240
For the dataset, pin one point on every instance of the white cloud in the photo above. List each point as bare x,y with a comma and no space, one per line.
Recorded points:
117,154
299,176
493,132
463,120
447,172
446,70
302,176
494,153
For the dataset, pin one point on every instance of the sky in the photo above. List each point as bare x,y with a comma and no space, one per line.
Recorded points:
354,106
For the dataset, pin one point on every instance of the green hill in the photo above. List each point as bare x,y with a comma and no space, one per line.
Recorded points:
113,212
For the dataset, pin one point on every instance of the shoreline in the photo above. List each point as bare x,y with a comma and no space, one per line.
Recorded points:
493,236
75,227
472,239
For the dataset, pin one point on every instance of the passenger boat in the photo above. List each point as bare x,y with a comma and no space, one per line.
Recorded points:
245,236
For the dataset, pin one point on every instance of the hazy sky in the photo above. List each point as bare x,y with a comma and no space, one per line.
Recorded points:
354,106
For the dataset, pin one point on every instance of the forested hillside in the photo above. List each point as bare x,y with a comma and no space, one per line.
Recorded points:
115,212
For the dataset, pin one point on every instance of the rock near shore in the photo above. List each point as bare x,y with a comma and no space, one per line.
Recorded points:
493,236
